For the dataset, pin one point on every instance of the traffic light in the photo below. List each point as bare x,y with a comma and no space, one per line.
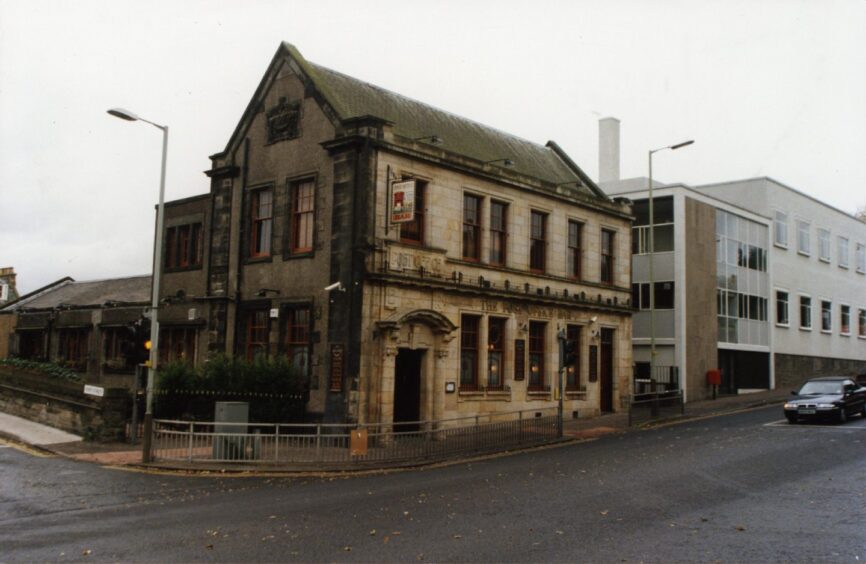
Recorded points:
567,350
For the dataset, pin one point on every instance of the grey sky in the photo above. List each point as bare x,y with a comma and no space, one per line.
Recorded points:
775,88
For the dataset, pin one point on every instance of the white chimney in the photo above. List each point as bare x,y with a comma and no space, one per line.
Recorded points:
608,149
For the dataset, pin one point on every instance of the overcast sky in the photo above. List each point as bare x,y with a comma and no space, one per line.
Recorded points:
766,88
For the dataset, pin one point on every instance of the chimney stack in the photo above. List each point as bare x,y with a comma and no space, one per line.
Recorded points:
608,149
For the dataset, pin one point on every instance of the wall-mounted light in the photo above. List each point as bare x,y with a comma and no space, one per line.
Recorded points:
262,292
505,162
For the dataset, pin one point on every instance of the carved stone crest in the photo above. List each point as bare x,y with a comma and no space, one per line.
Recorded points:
284,120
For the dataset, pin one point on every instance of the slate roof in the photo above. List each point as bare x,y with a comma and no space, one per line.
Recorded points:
95,293
353,98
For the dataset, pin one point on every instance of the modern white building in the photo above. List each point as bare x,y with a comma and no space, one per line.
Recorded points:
818,258
752,277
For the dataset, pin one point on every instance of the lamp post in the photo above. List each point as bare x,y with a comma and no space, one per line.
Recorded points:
652,288
154,305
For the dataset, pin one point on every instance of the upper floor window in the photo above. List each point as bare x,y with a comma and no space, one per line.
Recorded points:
803,244
303,216
412,232
537,241
845,319
495,351
824,245
183,246
780,228
575,252
826,315
536,355
607,258
471,227
261,222
662,228
842,251
469,351
781,307
861,258
498,232
805,312
861,322
664,295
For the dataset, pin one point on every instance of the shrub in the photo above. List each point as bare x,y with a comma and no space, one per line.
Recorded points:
47,368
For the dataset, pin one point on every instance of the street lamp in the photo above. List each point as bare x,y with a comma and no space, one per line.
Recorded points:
652,288
154,305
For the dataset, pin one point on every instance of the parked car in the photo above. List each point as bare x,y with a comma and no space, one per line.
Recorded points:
834,398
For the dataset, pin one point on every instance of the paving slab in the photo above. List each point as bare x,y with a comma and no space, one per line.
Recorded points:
34,433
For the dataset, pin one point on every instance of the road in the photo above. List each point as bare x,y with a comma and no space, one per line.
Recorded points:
741,487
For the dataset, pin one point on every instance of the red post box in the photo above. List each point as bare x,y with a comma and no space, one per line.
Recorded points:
714,377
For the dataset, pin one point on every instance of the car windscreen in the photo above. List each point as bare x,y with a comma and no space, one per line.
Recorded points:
820,388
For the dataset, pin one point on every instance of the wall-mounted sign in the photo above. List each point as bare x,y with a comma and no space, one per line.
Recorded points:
336,367
190,314
94,391
275,313
402,201
450,387
519,359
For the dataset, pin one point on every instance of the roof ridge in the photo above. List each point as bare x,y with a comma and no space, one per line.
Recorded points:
431,106
130,277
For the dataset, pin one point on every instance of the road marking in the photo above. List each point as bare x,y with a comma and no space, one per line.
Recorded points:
5,443
830,427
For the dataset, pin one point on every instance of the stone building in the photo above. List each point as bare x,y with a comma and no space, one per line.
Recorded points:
414,264
85,326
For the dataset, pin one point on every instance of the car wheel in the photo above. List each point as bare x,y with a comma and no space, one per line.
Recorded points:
843,415
792,419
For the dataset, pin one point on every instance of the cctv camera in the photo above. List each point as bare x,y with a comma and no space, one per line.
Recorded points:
335,286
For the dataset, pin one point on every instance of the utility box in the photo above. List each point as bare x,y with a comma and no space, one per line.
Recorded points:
231,433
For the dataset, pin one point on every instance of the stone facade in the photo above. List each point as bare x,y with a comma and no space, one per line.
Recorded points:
311,164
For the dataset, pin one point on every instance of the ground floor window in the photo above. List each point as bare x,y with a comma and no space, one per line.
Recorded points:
31,345
118,348
495,352
256,332
469,352
297,341
536,355
573,380
177,344
72,349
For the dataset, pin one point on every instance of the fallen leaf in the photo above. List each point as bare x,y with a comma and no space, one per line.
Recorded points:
373,532
347,548
458,536
209,546
740,528
604,512
86,552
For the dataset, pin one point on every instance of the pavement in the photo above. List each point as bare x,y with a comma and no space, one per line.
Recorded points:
61,443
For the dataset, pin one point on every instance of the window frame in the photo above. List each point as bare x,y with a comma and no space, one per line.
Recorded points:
845,320
574,249
860,257
259,224
804,237
302,244
418,223
843,250
495,347
805,301
826,309
786,309
538,242
607,257
498,234
168,338
537,348
470,328
471,221
861,322
291,328
783,224
573,373
250,345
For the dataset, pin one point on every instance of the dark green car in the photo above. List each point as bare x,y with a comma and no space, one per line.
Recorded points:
832,398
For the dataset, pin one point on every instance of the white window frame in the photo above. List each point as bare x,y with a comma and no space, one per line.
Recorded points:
842,257
860,257
787,307
842,325
823,244
804,236
800,312
780,227
822,301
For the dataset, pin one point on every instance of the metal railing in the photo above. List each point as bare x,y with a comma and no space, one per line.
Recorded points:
656,395
340,446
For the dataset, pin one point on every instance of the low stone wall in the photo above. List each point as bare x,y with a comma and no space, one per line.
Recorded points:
792,370
64,405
